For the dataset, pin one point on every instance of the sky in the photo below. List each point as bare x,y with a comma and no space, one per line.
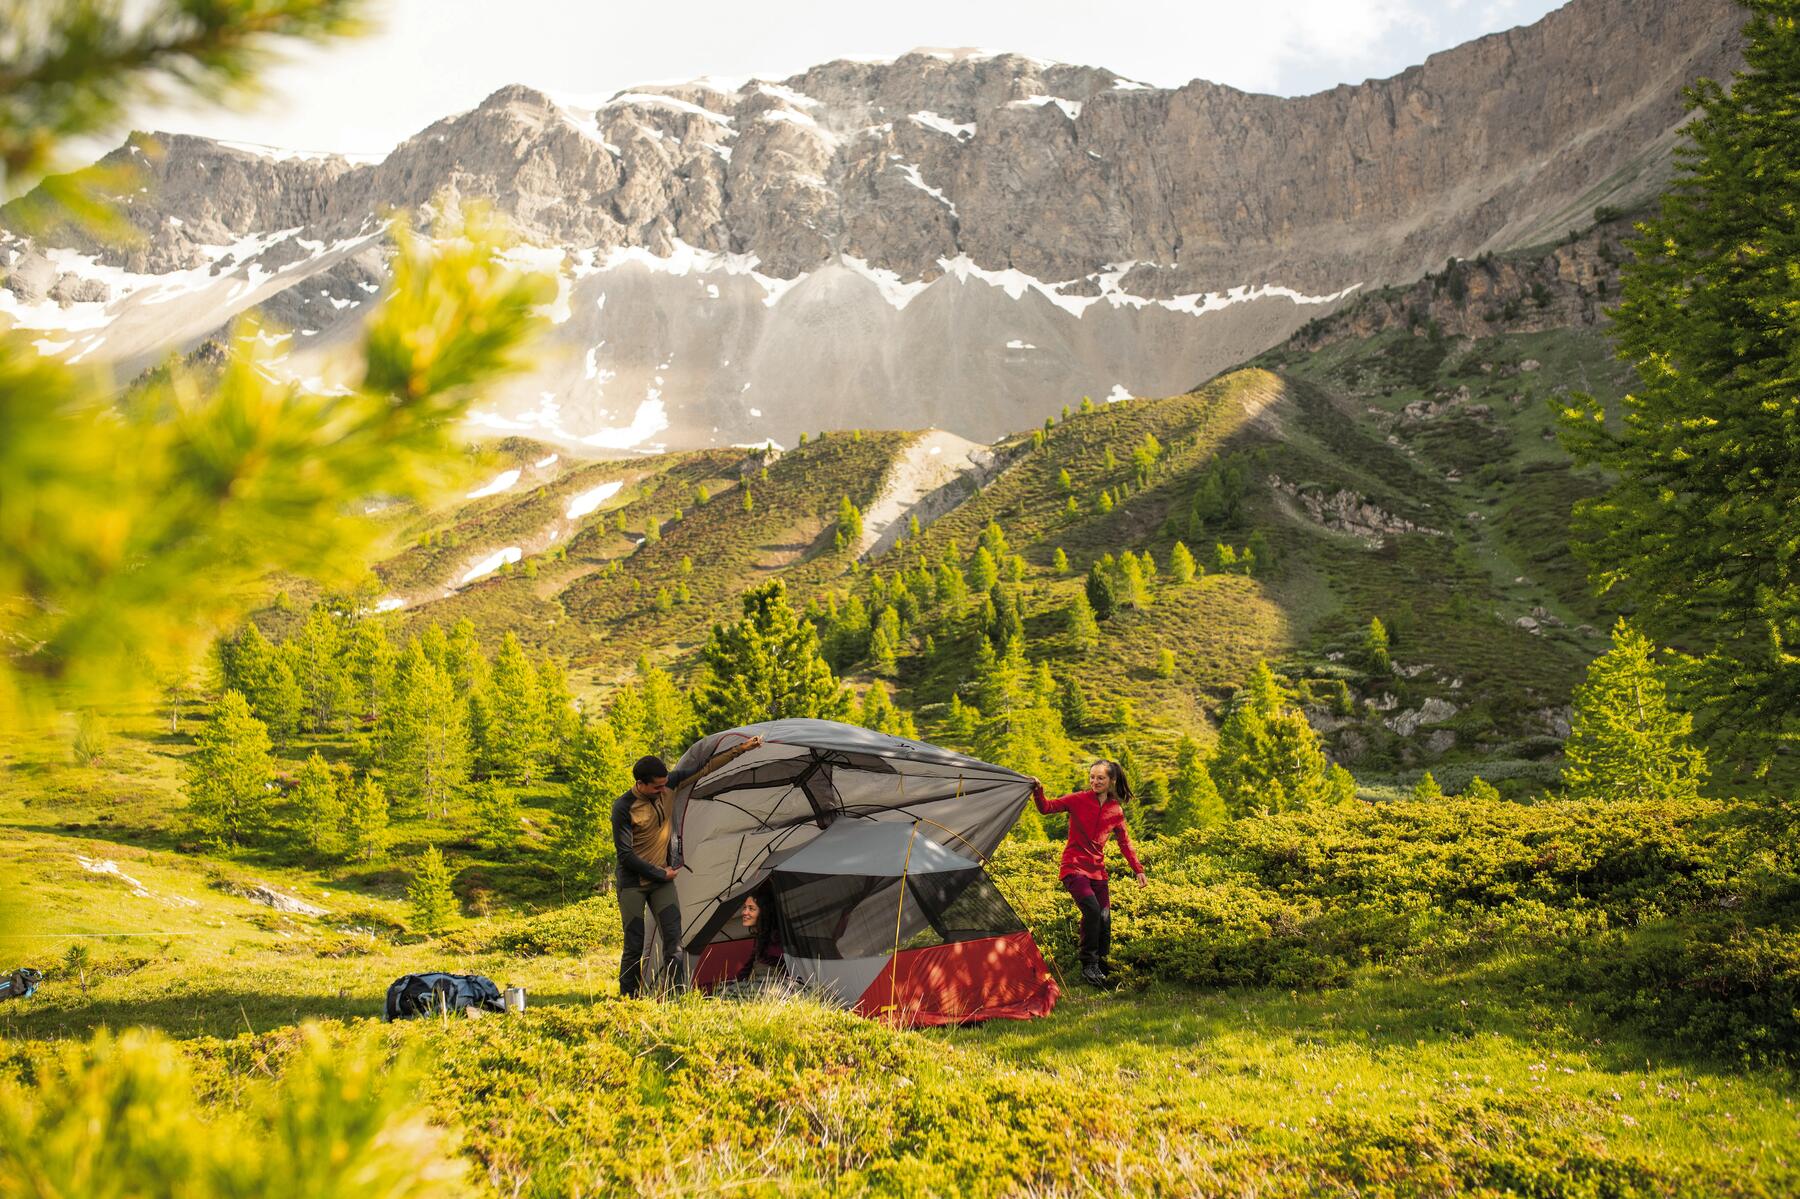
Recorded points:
430,58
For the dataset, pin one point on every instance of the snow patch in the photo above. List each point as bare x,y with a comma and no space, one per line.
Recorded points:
912,174
1070,108
589,501
650,419
501,482
541,463
1118,395
932,120
491,563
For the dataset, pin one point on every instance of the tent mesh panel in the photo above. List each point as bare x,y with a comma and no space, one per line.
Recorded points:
855,916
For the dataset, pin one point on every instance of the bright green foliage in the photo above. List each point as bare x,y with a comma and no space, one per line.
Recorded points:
1182,566
518,736
668,716
366,833
1165,664
260,672
883,654
1696,532
1063,481
228,774
1087,404
960,719
1268,758
370,665
1084,630
561,720
766,666
150,521
599,773
749,502
424,741
877,711
1021,728
1111,461
1060,563
317,655
1134,584
1193,798
1071,701
321,807
1426,790
1105,503
983,571
1224,557
122,1116
1257,554
1627,742
1072,507
1145,457
428,896
1481,791
1375,647
1340,787
1102,594
496,815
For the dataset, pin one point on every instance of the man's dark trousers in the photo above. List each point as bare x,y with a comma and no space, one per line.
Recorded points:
660,900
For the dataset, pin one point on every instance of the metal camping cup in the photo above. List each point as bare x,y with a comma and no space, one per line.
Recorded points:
515,999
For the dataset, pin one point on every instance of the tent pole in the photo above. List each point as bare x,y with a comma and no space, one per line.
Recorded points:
900,907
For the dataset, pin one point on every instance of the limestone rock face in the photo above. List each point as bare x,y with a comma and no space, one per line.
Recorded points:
952,238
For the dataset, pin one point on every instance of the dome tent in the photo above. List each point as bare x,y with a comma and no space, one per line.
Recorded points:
870,847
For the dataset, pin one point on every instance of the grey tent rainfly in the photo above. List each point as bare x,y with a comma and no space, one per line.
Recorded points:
870,849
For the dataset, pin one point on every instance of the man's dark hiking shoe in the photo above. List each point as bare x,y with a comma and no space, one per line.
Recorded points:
1092,976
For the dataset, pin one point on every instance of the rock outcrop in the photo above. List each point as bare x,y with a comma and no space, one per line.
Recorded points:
873,243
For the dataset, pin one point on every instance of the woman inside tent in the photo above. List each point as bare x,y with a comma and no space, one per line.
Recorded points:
1094,816
763,970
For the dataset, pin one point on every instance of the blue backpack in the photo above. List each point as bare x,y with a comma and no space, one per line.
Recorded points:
20,984
427,994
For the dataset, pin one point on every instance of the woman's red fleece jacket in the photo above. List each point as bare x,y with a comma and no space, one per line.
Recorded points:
1090,824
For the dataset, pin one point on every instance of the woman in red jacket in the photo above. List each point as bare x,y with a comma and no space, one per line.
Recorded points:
1094,816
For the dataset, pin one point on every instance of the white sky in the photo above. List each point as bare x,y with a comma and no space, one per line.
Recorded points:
431,58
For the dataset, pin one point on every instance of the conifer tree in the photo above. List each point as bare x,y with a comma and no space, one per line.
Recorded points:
1258,552
1084,630
317,656
1134,588
261,673
1151,797
1375,647
765,666
598,773
1627,741
561,719
496,815
1193,799
1071,701
516,740
1426,790
1482,790
1145,457
228,774
1105,503
1268,758
370,664
1060,563
424,740
1697,530
1165,664
366,821
432,902
463,660
1224,557
1181,564
961,719
1340,788
668,716
749,504
1102,595
1072,507
1063,481
321,807
984,572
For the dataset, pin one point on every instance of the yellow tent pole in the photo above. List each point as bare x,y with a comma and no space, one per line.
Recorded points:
899,908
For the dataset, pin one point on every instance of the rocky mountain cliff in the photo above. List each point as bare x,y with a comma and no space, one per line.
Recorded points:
952,238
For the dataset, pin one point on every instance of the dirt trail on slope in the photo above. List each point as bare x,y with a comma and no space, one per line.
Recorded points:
922,482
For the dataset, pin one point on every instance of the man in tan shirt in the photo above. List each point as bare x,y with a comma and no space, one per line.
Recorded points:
645,875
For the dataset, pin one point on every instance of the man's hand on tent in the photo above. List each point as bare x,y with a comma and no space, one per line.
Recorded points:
669,873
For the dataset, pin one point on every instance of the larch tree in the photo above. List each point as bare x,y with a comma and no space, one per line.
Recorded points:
765,666
228,774
1627,741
